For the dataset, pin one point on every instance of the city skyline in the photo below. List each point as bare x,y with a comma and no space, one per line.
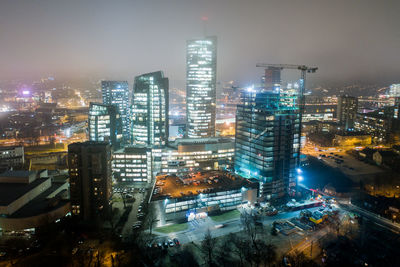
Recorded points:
311,34
199,133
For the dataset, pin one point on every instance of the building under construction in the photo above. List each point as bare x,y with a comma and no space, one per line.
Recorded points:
267,141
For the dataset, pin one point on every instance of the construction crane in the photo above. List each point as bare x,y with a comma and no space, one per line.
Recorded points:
304,70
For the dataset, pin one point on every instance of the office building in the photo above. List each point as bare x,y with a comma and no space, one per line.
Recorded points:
267,141
105,124
201,74
347,111
317,108
382,127
133,164
117,93
150,110
90,175
186,155
394,90
11,157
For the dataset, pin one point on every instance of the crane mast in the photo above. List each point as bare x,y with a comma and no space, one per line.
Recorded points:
303,71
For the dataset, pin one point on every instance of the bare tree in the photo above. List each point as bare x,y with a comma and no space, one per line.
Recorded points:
249,223
207,247
151,220
239,247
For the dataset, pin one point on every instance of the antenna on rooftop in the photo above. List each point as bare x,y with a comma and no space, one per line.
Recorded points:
204,19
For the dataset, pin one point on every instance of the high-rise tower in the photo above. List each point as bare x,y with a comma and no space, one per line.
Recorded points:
347,111
117,93
150,109
201,73
90,177
267,141
105,124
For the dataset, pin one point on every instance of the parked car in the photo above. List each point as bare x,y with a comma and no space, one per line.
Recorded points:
176,241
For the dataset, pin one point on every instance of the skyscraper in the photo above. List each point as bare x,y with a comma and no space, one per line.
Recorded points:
272,79
117,93
90,173
150,109
267,141
347,111
394,90
105,124
201,76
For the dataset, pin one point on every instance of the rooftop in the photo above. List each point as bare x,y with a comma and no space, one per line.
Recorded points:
41,203
9,192
17,174
201,141
192,184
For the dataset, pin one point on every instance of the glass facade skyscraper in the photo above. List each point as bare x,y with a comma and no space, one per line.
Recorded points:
267,141
150,109
201,73
105,124
117,93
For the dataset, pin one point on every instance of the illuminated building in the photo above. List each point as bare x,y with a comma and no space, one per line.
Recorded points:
194,154
150,109
192,197
201,69
132,164
347,111
267,141
394,90
382,127
318,108
90,178
11,157
105,124
117,93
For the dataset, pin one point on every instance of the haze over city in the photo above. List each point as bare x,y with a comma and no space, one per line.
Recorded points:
199,133
347,40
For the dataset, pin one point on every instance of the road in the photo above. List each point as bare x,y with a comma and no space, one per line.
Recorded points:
198,228
376,219
132,218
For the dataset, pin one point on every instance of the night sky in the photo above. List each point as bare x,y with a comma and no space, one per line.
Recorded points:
347,40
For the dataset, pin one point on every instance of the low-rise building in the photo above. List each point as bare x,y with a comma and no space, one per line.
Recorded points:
197,194
29,199
11,157
385,158
201,153
352,139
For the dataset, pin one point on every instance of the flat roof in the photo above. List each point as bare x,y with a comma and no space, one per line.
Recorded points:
40,204
201,141
17,174
9,192
192,184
